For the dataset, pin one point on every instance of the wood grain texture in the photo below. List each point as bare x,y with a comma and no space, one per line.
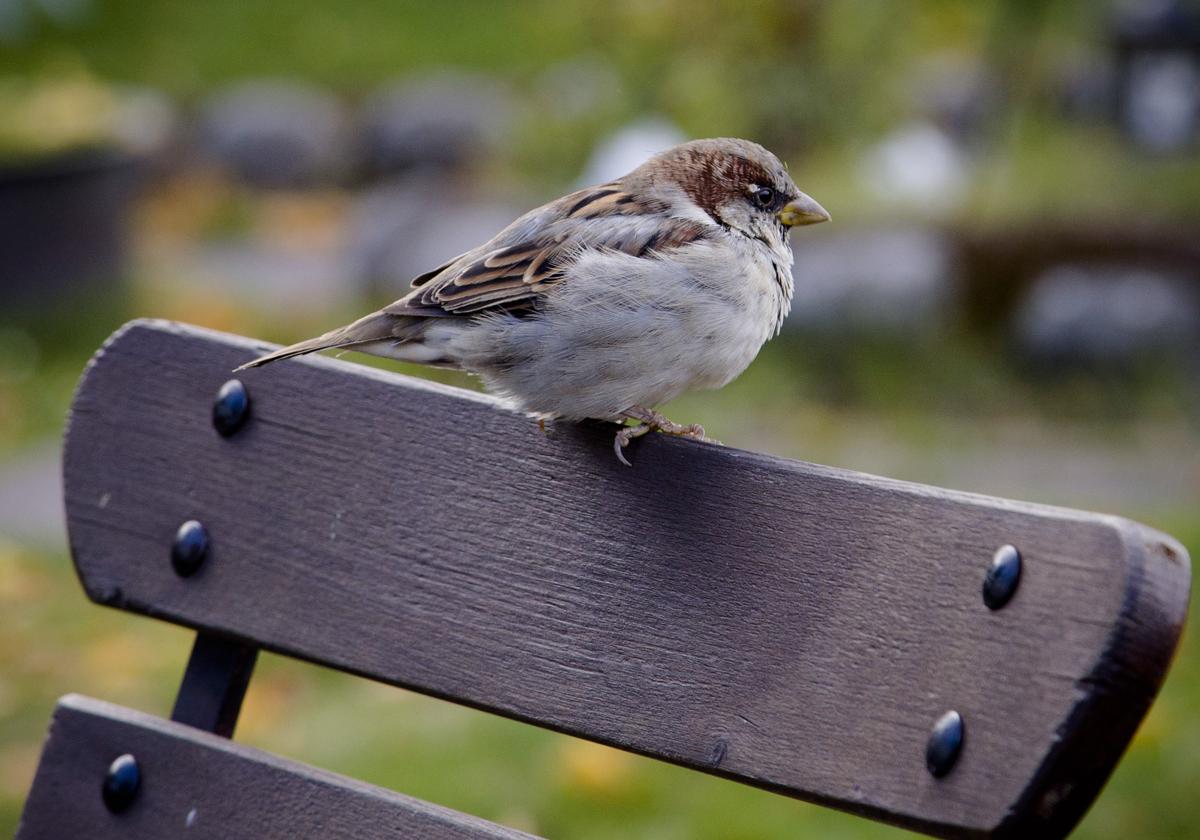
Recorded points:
788,625
198,785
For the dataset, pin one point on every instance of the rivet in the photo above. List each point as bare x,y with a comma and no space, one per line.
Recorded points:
1002,577
231,408
189,549
945,743
121,783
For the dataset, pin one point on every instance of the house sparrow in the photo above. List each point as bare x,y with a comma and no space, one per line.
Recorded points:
614,299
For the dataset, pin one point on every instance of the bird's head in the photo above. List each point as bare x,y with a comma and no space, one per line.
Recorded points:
736,184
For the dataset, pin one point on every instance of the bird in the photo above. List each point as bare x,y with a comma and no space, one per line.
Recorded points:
614,299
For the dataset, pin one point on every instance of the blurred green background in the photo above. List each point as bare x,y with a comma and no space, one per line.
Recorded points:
1007,301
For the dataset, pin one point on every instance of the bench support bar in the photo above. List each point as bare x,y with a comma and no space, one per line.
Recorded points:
214,684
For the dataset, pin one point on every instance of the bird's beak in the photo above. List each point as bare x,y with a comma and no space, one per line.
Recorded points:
802,210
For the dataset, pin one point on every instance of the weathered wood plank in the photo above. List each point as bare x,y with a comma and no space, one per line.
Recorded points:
788,625
200,785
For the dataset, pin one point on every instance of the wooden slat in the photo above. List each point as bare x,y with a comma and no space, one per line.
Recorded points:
198,785
788,625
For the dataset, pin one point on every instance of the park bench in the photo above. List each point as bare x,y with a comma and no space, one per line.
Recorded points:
959,665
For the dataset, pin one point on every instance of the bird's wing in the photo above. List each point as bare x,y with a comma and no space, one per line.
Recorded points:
510,272
526,259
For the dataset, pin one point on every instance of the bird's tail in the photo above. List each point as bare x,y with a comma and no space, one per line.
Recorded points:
376,327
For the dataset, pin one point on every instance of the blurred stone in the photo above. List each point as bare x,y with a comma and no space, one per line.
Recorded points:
884,280
268,276
957,92
1085,88
144,121
67,12
438,122
1157,52
16,22
1162,101
404,228
917,166
629,148
579,89
276,134
1105,314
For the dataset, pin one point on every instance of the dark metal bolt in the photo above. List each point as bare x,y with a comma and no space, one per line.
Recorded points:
1002,577
945,743
231,408
189,549
121,783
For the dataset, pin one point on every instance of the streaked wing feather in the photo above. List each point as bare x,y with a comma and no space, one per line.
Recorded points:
512,270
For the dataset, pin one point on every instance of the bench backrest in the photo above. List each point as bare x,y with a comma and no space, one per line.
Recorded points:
792,626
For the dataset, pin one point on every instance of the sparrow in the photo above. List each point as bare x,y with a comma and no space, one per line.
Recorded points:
614,299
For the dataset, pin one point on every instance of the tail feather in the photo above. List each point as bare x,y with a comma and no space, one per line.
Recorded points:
378,326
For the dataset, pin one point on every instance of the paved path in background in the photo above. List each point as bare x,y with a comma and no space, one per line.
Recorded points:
31,510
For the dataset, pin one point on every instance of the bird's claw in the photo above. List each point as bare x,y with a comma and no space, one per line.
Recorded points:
650,421
626,434
619,443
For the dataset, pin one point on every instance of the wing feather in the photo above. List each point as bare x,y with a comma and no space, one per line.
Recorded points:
516,267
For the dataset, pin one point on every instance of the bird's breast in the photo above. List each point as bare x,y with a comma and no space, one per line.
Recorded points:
619,331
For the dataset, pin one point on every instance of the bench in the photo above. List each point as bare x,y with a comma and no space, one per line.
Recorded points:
955,664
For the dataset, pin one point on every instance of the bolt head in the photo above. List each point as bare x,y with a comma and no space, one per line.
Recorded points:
1002,577
121,783
945,743
189,549
231,407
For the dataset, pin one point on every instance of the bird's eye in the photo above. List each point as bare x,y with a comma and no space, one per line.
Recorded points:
764,197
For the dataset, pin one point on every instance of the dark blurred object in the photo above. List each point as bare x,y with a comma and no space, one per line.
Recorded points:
64,224
147,124
1085,88
1157,48
897,281
407,226
959,95
1106,315
999,265
277,134
439,122
579,89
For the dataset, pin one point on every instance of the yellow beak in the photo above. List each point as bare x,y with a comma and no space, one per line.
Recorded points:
802,210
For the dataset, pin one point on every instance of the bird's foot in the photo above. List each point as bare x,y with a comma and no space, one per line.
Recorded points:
658,421
650,421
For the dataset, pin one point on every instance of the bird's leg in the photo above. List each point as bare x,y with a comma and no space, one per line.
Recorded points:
657,421
651,420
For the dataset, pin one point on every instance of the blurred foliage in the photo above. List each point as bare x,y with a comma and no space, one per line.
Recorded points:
43,117
815,80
